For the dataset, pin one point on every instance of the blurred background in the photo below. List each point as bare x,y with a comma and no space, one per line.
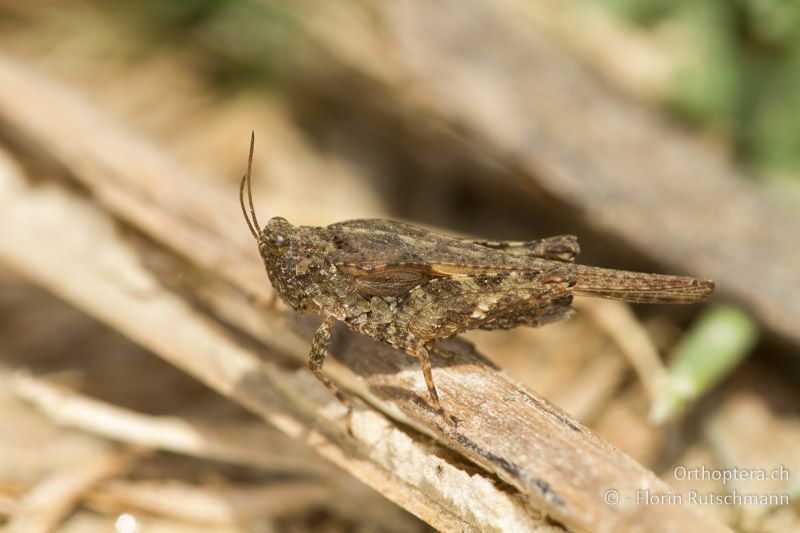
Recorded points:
664,134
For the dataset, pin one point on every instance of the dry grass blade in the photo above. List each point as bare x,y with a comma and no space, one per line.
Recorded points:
558,467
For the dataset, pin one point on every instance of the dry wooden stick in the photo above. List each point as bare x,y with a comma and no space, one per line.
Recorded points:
211,506
47,503
559,467
626,331
230,444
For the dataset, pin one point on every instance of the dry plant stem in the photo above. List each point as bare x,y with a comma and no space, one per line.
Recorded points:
559,467
630,337
210,506
46,504
165,433
625,170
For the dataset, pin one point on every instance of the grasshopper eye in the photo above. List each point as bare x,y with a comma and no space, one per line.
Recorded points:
277,244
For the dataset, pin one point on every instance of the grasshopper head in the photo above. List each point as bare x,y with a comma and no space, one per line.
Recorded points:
275,242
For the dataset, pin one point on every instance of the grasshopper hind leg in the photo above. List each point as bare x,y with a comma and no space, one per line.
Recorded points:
534,316
421,353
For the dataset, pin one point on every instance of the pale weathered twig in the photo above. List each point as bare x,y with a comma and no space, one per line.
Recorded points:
219,505
222,443
47,503
558,467
633,341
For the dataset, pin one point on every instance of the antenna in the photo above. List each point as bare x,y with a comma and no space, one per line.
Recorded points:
254,227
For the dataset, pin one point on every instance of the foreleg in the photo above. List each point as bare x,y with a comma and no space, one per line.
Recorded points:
319,349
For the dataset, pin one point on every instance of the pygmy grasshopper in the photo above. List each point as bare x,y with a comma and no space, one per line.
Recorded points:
408,286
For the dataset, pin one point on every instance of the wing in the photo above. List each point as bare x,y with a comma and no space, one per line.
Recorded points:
389,280
377,251
391,258
639,287
387,258
559,248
